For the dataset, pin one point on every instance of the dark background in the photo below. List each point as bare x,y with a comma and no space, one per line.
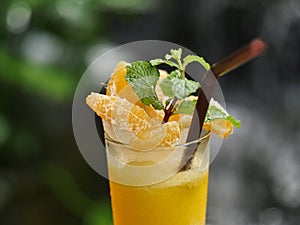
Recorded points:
45,47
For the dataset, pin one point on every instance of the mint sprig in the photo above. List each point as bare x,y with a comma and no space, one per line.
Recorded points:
176,84
174,60
143,77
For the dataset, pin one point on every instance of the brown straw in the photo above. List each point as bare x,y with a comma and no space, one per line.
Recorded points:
236,59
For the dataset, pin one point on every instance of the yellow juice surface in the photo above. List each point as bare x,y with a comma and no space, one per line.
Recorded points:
180,200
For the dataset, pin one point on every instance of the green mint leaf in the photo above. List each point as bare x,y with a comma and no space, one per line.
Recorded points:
168,57
178,88
142,76
176,54
234,121
191,86
154,102
173,86
166,87
175,74
156,62
214,112
187,107
194,58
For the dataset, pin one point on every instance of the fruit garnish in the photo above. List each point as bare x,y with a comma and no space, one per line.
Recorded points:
119,112
122,115
146,107
157,135
217,120
216,111
158,114
118,86
221,127
172,135
184,120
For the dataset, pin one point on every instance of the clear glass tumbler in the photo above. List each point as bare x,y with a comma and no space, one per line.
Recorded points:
152,188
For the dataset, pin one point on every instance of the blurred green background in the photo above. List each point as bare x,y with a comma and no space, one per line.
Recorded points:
45,47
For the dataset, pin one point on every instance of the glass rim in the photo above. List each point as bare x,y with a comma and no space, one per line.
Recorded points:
196,141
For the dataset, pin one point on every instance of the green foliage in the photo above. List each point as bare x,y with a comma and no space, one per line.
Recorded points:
46,81
64,186
156,62
177,87
142,76
176,56
99,214
195,58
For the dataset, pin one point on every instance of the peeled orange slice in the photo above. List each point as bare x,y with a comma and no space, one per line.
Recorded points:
172,135
159,135
119,112
183,119
155,114
221,127
147,133
148,139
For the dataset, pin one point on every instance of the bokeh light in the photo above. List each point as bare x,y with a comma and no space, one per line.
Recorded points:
42,48
71,10
18,17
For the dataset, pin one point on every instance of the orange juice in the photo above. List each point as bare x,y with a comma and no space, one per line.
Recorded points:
148,188
180,200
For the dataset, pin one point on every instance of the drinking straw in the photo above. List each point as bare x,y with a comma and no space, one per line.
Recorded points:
236,59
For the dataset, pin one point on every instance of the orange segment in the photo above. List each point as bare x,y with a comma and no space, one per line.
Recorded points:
119,112
222,128
148,139
158,114
172,136
117,79
183,119
117,85
163,135
175,117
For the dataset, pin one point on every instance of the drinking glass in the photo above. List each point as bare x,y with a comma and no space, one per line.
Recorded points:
159,186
